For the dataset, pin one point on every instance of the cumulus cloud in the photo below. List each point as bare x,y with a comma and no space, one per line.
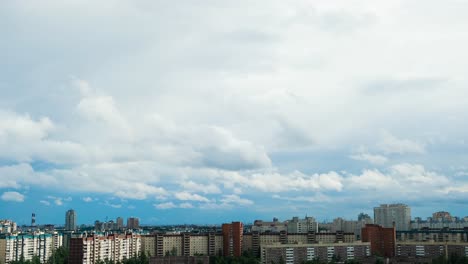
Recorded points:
12,197
22,127
404,177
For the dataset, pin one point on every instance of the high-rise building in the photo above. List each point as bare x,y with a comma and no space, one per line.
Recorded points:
388,215
119,223
233,239
382,239
33,219
133,223
70,220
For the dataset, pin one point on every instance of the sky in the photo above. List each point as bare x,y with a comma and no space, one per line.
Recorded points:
217,111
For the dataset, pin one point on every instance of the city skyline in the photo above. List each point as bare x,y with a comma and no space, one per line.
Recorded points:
437,216
188,112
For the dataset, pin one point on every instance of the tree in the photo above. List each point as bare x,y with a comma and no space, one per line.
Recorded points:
352,261
59,256
174,251
313,261
36,260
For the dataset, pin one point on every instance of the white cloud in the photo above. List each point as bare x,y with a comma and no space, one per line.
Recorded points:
113,205
191,186
185,196
275,182
404,177
59,200
236,200
16,127
371,158
185,205
13,197
171,205
44,202
391,144
168,205
87,199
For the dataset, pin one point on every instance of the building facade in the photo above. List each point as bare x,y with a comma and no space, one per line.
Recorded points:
419,252
299,253
133,223
7,226
213,244
274,226
26,246
382,239
70,220
388,215
91,249
233,239
306,225
433,235
119,223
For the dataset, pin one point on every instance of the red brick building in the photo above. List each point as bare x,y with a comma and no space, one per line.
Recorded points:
382,239
232,239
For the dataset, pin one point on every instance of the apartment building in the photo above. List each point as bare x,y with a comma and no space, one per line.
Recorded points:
296,225
253,241
436,235
213,244
232,239
7,226
382,239
274,226
90,249
185,244
298,253
426,251
389,215
15,247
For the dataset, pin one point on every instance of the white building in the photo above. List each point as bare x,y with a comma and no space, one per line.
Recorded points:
388,214
89,250
308,224
14,247
7,226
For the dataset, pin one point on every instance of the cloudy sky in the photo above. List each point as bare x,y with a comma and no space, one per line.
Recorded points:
212,111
